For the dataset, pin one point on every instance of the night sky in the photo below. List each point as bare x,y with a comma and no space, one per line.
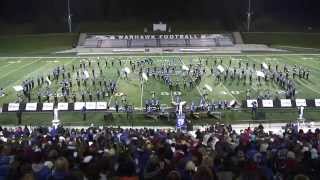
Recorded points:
230,12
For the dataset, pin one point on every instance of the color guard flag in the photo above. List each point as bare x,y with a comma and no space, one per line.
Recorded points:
208,87
18,88
48,81
220,68
144,76
127,70
261,74
86,74
184,67
265,66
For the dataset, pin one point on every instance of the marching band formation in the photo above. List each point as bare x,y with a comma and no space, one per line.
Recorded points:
91,80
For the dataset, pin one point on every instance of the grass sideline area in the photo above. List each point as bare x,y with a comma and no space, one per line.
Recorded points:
289,39
139,119
17,69
48,44
40,44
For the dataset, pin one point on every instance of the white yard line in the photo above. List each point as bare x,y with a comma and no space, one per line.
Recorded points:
255,85
20,67
141,94
113,95
2,67
30,74
305,64
191,78
228,91
300,81
308,87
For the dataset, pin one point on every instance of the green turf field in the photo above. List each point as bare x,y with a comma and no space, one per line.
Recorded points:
39,44
286,40
13,71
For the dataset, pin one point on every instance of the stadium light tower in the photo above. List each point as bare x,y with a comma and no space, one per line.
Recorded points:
69,17
249,13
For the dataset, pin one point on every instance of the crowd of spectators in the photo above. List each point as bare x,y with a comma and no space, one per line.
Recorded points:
217,153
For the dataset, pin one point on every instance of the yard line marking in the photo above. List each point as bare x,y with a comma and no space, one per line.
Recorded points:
305,64
191,78
141,84
17,69
307,86
112,94
228,91
8,64
30,74
300,81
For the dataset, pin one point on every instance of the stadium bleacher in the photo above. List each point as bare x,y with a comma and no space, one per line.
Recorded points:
109,41
202,43
225,41
143,43
112,44
172,43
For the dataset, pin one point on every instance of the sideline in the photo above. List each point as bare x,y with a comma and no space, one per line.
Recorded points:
164,55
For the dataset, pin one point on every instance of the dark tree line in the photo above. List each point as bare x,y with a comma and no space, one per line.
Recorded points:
229,12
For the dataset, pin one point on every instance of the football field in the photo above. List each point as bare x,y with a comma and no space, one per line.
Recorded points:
13,71
161,83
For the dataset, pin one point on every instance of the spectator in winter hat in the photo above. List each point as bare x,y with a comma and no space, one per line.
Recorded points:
174,175
41,171
301,177
4,161
314,153
61,170
189,171
204,173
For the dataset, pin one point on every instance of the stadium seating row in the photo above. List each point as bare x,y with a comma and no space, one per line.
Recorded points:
98,41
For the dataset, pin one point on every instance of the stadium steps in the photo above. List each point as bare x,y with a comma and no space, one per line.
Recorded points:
237,37
99,44
158,43
82,39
